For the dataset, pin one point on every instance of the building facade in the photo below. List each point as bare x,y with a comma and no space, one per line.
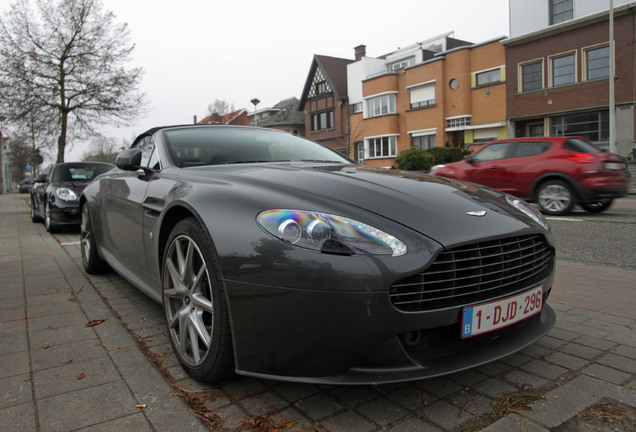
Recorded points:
558,74
325,104
439,92
283,116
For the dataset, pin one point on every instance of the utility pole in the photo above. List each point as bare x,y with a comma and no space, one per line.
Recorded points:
612,66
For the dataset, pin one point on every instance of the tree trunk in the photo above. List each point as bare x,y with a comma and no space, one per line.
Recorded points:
61,141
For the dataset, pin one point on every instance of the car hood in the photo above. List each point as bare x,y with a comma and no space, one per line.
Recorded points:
75,186
450,212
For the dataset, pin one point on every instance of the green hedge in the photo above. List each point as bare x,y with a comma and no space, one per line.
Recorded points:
415,159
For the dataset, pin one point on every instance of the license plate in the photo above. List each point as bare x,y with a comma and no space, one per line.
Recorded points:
491,316
614,166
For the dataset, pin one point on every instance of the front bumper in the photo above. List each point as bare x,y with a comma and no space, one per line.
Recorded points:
359,338
67,215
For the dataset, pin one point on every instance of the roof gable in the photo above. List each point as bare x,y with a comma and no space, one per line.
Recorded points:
332,71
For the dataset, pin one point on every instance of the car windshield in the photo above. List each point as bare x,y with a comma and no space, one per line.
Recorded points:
213,146
78,172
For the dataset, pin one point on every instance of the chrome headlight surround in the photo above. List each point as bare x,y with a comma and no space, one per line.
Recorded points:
65,194
528,210
328,233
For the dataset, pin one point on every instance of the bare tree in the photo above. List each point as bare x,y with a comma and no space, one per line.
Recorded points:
220,107
103,149
65,61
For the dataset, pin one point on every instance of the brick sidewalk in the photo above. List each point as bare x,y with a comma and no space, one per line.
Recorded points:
587,360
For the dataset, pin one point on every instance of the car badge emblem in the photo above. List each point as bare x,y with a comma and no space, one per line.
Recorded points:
479,213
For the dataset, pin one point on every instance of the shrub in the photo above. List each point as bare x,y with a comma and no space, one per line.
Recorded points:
415,159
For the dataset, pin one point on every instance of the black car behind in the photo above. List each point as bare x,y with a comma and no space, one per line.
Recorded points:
55,196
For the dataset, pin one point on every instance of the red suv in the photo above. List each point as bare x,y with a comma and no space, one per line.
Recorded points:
556,173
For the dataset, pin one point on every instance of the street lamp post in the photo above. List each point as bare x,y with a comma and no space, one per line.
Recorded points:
255,102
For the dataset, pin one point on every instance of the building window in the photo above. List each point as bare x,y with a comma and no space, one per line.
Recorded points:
597,63
457,122
532,76
321,87
592,125
423,141
357,108
401,64
561,10
422,96
563,70
382,147
453,84
359,151
381,105
322,120
488,77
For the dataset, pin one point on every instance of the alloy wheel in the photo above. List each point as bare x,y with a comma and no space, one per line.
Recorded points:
555,198
188,300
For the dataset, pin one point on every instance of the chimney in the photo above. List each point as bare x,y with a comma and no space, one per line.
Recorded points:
361,51
195,119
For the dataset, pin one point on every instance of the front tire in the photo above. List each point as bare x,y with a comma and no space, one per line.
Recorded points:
91,260
195,305
48,222
555,197
597,206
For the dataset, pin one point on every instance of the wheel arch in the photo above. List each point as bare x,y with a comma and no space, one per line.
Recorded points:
172,217
555,176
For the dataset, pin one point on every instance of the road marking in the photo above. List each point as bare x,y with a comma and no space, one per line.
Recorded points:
70,244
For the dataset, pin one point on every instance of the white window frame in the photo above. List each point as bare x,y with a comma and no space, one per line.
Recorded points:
499,68
369,102
419,88
424,133
375,141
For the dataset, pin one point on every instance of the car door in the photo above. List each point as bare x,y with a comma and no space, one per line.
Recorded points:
489,167
123,195
526,162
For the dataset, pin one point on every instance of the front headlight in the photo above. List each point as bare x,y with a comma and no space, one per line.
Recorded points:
328,233
530,211
66,194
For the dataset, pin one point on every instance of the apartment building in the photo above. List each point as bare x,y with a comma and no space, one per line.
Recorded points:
438,92
558,73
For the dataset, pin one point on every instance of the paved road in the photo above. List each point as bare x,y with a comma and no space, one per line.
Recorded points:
608,238
585,369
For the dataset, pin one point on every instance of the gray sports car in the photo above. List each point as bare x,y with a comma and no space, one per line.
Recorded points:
276,257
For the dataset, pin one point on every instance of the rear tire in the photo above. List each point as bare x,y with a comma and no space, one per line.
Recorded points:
34,216
195,305
555,197
91,261
597,206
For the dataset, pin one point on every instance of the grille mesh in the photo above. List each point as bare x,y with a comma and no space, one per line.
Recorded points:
476,273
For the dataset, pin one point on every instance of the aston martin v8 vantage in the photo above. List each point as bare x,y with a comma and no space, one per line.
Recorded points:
276,257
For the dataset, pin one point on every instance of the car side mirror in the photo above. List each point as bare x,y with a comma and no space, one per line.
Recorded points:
129,160
469,159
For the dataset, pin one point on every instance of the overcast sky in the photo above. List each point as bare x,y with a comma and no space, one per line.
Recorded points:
196,51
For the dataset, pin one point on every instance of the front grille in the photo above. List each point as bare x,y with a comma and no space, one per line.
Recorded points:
476,273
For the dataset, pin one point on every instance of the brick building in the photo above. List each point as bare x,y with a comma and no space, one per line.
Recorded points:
558,75
324,102
438,92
